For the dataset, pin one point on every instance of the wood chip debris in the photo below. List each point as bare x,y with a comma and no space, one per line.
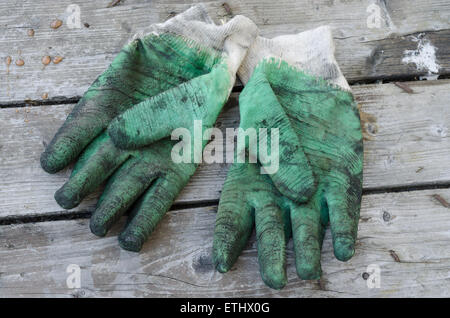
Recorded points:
57,59
227,8
395,256
171,14
113,3
405,87
441,200
46,60
56,24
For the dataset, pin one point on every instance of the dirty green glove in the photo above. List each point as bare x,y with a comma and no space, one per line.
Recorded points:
307,82
192,63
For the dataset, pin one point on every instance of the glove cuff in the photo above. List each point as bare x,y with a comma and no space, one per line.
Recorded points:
178,24
311,51
233,38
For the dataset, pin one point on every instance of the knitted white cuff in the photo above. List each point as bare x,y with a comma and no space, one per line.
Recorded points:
233,38
311,51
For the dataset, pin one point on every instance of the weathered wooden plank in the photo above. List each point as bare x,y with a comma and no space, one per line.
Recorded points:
362,52
404,234
365,49
406,144
408,133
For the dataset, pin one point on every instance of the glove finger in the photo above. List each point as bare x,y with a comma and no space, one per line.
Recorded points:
294,177
286,164
105,98
344,202
121,191
149,210
79,129
307,233
100,159
271,242
234,225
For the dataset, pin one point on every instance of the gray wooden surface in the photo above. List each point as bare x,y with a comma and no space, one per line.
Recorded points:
176,261
406,144
362,53
405,217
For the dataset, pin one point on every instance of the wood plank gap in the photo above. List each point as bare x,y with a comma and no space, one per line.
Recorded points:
59,100
72,215
394,189
62,215
41,102
68,215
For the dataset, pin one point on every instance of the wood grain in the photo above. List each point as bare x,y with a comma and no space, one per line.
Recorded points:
407,144
176,261
363,53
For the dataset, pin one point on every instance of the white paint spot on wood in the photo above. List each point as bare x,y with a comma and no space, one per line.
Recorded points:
424,56
429,77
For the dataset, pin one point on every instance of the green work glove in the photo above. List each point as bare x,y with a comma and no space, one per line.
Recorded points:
307,82
180,70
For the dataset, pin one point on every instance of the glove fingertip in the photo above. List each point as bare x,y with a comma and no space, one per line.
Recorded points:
304,192
65,200
48,163
97,228
275,277
344,248
221,261
299,192
130,242
309,271
222,267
